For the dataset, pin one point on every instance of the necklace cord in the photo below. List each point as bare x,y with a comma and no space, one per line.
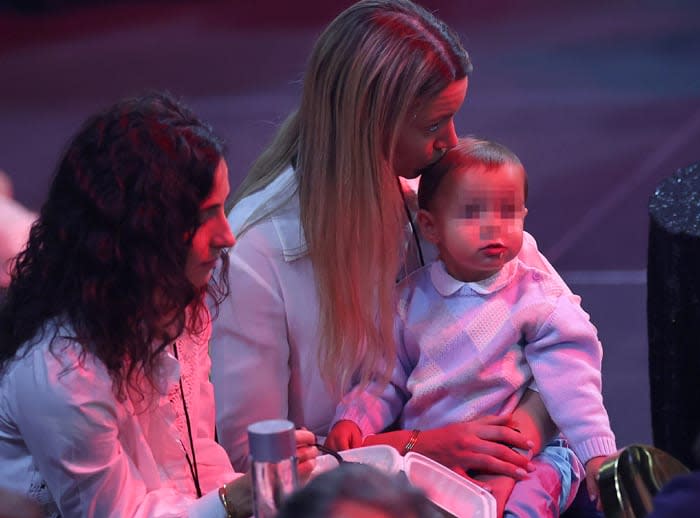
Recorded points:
410,222
192,463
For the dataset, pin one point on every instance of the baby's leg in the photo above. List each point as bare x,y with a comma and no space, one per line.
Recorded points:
549,490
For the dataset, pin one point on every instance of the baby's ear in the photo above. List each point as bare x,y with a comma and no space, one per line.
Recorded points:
524,212
427,225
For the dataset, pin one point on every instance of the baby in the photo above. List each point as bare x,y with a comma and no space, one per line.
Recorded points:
477,328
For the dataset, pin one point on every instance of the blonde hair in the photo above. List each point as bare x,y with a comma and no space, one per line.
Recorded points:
376,61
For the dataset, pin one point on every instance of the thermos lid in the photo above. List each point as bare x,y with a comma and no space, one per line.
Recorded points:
271,440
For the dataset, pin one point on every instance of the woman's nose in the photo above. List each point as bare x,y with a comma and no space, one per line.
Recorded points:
224,238
448,139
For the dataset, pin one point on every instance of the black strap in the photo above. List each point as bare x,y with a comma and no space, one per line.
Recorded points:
192,463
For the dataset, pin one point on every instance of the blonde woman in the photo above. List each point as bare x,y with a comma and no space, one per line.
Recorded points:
323,236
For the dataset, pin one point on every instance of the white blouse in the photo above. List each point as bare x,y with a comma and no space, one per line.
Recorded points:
69,442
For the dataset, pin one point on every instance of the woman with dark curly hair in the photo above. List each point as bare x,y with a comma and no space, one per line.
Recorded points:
107,408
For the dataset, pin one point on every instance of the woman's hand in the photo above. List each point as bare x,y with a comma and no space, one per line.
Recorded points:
306,454
344,435
239,493
483,445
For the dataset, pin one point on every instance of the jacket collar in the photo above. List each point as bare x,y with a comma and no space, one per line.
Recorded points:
280,200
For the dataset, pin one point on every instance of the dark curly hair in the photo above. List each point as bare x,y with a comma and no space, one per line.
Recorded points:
107,254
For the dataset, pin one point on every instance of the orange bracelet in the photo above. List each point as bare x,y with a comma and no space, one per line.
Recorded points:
411,441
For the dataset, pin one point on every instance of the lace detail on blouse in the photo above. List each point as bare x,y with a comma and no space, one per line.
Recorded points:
188,357
39,491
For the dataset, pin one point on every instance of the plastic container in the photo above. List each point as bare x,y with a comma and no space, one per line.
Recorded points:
445,488
452,492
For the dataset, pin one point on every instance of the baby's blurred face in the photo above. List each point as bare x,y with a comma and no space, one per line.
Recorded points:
479,216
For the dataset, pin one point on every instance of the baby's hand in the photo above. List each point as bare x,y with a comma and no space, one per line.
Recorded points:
344,435
592,468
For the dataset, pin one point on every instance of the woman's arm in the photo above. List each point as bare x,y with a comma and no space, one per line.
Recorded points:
479,445
484,444
249,347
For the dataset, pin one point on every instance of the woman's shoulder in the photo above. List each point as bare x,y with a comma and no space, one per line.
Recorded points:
54,370
279,236
260,205
268,221
264,238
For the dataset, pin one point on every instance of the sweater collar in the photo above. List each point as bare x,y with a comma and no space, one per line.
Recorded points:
446,285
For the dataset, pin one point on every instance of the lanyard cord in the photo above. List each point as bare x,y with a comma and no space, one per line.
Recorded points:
192,463
410,222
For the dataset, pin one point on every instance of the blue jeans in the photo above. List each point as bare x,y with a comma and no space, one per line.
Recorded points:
551,488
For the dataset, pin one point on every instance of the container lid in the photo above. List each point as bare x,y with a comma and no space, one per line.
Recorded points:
271,440
450,491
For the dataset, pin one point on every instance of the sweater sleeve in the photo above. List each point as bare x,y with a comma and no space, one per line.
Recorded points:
565,356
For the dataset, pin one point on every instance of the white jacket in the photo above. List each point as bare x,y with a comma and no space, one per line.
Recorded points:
69,443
